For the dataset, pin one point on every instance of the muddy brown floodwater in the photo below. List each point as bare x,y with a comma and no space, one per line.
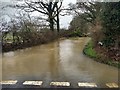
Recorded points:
62,60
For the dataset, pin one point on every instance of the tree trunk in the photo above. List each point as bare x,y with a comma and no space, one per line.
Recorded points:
58,25
51,22
51,19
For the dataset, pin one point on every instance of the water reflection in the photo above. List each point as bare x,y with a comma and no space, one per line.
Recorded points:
57,61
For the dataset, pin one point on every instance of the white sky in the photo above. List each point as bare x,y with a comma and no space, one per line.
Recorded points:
64,20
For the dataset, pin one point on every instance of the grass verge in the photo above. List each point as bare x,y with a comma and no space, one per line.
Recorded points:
89,51
92,53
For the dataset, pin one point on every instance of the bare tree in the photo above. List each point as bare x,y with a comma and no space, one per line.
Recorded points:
50,8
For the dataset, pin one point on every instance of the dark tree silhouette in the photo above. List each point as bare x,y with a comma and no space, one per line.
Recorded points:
51,8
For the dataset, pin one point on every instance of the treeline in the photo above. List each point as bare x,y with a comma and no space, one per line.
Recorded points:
24,31
79,26
99,20
102,21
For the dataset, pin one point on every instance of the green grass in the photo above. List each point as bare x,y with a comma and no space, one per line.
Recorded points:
90,51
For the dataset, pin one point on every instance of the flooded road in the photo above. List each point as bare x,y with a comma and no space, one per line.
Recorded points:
61,60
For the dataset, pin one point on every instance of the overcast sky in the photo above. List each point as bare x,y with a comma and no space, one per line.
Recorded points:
64,20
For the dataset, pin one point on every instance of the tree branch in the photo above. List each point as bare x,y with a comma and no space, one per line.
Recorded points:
35,9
